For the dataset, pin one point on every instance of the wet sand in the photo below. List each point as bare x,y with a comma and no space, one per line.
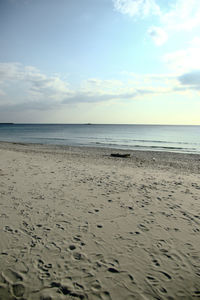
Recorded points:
76,223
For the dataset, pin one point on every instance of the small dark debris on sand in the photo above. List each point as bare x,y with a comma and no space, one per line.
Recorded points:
124,155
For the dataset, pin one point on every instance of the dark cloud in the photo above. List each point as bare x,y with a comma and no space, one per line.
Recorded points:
88,98
191,79
29,106
75,98
92,98
37,92
40,83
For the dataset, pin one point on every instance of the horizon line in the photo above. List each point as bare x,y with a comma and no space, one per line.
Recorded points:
90,123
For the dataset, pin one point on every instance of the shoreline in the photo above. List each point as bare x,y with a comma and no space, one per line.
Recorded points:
136,148
153,158
76,223
100,149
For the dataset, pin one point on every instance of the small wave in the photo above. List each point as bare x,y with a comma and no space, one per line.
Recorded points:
165,142
146,147
130,142
48,138
164,147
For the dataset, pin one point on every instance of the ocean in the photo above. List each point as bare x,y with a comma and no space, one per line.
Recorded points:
170,138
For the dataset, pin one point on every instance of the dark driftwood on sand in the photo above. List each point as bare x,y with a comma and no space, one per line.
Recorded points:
120,155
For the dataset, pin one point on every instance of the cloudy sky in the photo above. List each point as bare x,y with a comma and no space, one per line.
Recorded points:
100,61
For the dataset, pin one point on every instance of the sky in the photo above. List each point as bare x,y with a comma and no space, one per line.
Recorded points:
100,61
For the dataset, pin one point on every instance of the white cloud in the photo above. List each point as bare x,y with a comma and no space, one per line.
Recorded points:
181,15
136,7
184,15
19,83
183,60
158,35
9,71
27,88
24,88
100,86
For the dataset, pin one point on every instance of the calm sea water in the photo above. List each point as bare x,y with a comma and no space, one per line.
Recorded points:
135,137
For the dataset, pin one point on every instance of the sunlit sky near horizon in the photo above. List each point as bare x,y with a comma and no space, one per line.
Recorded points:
100,61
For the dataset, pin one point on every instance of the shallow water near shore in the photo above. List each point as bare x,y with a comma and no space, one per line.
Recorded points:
170,138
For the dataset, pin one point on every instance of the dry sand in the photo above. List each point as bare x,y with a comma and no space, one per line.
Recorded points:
76,223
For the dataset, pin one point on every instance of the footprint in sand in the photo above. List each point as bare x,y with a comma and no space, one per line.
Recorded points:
72,247
84,227
43,268
60,226
79,256
101,296
196,294
77,239
3,215
18,289
143,227
99,226
113,270
11,276
96,285
166,275
8,229
155,261
152,280
163,246
68,291
163,291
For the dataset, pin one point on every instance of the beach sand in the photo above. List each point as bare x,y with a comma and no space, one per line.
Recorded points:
76,223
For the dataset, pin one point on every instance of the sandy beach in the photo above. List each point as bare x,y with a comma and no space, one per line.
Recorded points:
76,223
